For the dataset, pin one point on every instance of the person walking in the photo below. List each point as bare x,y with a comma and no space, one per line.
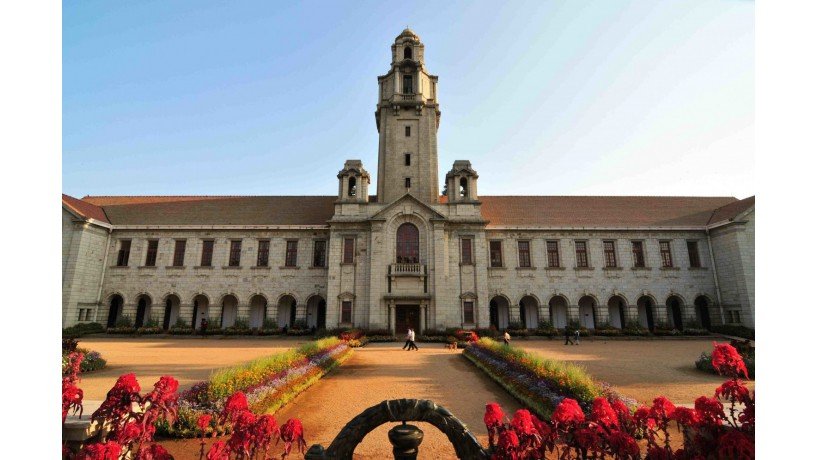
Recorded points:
506,338
412,339
567,335
204,324
407,340
577,336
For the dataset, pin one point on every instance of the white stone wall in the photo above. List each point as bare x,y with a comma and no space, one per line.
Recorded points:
733,247
83,248
216,282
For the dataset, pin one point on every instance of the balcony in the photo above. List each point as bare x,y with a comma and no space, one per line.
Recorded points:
404,269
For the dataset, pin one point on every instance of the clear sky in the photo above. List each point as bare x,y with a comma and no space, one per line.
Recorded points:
544,98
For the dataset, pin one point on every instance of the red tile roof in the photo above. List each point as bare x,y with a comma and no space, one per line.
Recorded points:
84,209
500,211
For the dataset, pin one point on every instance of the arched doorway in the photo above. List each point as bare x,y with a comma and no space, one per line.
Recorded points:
646,312
229,310
528,311
115,310
586,312
558,312
286,311
407,244
257,311
171,311
201,307
675,309
617,311
316,312
701,305
499,312
143,303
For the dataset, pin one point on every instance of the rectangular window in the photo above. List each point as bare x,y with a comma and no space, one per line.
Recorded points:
524,254
291,253
407,131
178,253
665,254
407,84
694,254
495,254
345,312
553,259
152,250
637,254
734,316
84,314
610,258
581,258
263,253
407,159
467,251
124,253
469,316
348,251
235,253
407,182
207,253
319,259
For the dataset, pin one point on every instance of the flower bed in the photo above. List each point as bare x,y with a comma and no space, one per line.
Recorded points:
539,383
88,360
268,383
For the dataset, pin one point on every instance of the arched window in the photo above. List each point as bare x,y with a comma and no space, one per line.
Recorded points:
352,189
407,244
407,53
463,187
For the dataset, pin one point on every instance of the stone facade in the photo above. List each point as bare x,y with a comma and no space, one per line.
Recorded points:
407,256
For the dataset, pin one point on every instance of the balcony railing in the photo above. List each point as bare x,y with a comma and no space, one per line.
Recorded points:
407,269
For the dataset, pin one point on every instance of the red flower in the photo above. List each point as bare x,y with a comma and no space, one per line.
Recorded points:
735,444
643,417
218,451
662,408
493,419
624,414
686,416
292,433
568,412
129,433
709,410
733,390
603,414
659,453
523,422
623,445
108,451
588,438
203,422
127,383
154,452
508,440
71,398
727,361
265,429
236,403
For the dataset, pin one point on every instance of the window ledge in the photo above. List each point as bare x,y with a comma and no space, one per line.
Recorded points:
318,268
231,267
119,267
497,268
174,267
698,268
526,268
584,268
462,264
670,268
348,263
204,267
612,268
556,268
642,268
148,267
284,267
260,267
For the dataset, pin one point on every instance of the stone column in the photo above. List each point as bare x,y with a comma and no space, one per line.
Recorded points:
186,313
272,313
422,307
544,313
214,314
392,320
243,311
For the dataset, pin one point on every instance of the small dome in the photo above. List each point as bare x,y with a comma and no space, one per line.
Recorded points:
408,33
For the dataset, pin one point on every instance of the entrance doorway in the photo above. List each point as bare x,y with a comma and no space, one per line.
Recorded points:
406,316
703,315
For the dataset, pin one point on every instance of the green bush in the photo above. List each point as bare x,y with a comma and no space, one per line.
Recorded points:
737,331
703,363
78,330
124,321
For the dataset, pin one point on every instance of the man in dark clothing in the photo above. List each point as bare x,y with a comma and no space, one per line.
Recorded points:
567,336
204,324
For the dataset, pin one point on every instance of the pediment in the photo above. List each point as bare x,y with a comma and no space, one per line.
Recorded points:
411,201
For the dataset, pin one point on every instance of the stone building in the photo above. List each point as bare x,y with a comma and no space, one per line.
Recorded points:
409,255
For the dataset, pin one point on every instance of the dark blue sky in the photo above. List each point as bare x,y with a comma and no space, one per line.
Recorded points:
545,98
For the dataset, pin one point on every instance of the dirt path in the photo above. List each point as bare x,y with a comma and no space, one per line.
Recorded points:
189,360
383,371
640,369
